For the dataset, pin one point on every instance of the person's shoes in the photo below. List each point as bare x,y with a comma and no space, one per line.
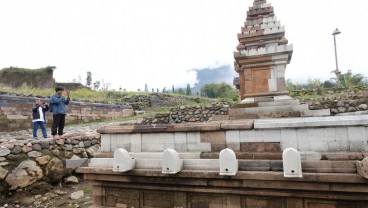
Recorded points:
35,138
55,137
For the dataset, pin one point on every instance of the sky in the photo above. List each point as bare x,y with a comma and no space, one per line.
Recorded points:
130,43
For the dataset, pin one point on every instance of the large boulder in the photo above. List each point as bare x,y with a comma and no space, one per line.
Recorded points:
54,170
362,168
27,173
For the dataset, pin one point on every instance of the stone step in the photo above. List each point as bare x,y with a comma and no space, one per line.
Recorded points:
330,121
266,104
266,115
304,155
279,103
267,109
315,113
151,155
244,165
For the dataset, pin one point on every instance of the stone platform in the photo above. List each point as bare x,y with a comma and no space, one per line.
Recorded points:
320,134
273,107
248,189
330,147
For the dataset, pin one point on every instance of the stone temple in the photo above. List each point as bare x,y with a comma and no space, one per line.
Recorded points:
262,54
270,152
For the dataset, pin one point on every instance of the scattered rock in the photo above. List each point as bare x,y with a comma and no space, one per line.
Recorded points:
77,195
59,192
3,173
71,179
26,201
41,187
121,205
362,167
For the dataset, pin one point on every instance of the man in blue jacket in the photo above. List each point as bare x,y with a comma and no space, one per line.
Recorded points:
58,104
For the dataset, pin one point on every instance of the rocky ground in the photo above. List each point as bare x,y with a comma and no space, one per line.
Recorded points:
72,192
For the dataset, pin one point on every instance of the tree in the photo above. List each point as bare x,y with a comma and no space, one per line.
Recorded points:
96,85
222,90
189,91
181,91
145,88
89,79
349,79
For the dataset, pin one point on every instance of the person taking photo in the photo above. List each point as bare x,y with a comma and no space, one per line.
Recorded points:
58,104
38,118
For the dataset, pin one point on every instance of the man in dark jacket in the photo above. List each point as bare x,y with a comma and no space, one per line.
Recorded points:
38,118
58,104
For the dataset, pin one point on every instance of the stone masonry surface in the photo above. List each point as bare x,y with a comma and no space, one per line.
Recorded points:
16,114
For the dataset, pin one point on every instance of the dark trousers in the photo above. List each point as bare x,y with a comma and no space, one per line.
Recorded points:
58,122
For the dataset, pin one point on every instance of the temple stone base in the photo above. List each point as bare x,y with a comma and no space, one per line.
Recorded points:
206,188
273,107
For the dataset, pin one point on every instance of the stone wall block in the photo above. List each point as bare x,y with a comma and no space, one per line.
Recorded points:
357,133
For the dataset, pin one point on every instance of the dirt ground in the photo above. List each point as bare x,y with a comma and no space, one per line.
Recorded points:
57,195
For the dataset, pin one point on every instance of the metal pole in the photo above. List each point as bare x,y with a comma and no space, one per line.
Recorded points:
337,71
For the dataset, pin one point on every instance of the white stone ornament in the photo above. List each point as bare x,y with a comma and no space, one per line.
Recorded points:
228,163
171,162
123,162
292,163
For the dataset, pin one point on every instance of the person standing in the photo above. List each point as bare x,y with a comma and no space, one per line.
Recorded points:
38,118
58,104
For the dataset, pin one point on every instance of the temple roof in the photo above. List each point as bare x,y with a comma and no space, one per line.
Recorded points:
262,33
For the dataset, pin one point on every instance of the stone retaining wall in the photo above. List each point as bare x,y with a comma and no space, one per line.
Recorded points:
185,114
341,106
27,162
16,113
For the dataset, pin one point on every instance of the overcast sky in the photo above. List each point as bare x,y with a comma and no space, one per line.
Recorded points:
159,42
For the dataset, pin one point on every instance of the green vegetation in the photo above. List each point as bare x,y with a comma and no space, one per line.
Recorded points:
222,91
316,90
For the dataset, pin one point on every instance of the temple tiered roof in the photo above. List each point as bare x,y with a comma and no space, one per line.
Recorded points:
262,46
